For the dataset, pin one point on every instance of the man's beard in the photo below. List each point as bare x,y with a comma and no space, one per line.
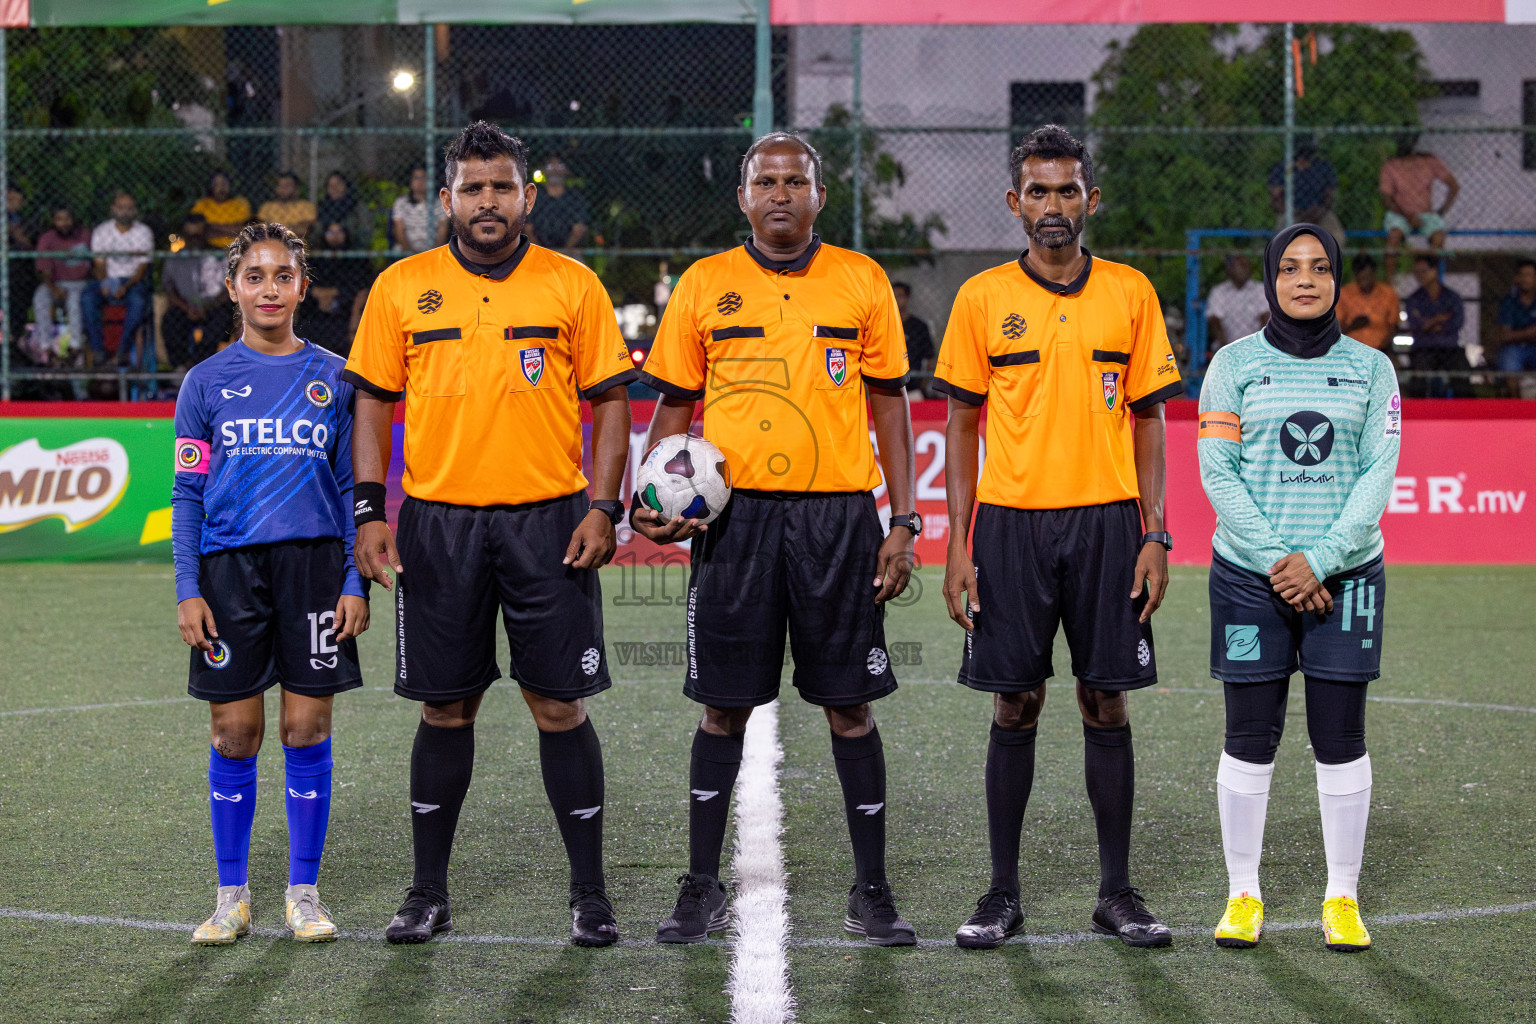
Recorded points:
463,231
1058,240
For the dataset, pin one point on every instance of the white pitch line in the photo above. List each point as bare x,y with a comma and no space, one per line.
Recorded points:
96,707
759,980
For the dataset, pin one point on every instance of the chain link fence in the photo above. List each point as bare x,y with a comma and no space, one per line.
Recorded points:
1204,137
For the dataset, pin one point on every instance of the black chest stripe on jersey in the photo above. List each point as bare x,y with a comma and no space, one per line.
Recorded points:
1015,358
519,333
1105,356
441,334
843,333
727,333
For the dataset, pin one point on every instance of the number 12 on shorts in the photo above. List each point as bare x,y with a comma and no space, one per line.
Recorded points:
1359,602
320,640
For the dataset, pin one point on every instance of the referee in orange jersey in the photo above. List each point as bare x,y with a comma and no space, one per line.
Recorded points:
1070,356
792,346
492,343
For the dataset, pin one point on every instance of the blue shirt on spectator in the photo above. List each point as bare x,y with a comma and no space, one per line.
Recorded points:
1515,314
1421,307
1312,182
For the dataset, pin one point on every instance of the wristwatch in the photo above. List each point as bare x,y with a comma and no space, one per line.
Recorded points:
911,521
1160,537
613,508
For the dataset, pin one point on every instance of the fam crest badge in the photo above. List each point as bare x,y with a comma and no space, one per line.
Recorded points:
1111,389
837,365
533,364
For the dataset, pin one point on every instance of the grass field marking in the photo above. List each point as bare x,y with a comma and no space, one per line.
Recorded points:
759,980
97,707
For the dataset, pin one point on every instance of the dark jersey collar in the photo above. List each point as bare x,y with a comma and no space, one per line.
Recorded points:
499,272
1072,287
785,266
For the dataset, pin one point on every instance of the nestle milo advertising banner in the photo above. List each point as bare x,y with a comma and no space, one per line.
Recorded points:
84,488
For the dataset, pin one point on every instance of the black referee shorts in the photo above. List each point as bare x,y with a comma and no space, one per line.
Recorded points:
275,608
805,561
1036,568
462,563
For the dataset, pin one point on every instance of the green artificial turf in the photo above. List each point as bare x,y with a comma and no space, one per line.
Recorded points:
104,812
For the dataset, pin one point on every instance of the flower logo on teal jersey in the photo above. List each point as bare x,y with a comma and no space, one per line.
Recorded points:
1307,438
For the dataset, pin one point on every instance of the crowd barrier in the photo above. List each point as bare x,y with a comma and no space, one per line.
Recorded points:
82,481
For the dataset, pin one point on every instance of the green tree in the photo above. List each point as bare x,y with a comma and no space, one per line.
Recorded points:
882,174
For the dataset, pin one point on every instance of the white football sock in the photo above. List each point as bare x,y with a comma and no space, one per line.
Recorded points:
1344,795
1242,795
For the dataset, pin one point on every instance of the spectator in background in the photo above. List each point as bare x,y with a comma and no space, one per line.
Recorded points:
22,274
1315,183
338,288
122,280
1408,192
920,353
1236,307
1368,309
340,205
287,207
1435,319
409,218
63,280
1517,323
199,314
559,216
226,214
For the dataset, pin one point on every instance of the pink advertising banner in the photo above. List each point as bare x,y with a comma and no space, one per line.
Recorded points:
1011,12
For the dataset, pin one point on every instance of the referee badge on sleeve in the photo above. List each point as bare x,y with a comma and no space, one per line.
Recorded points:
533,364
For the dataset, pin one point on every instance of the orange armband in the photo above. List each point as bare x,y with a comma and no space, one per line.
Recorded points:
1225,426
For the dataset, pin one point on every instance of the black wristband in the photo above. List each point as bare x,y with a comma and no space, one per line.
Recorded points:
368,502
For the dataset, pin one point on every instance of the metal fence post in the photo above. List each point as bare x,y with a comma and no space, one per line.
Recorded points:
858,138
762,87
429,126
1290,124
5,237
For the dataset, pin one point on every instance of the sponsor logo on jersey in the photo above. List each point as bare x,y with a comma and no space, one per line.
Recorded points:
268,432
1348,382
244,392
1306,437
1242,643
1225,426
78,483
1014,327
430,301
728,304
837,365
319,394
1394,424
533,364
1111,388
221,657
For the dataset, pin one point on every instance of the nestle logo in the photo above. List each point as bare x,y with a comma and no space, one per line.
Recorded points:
69,458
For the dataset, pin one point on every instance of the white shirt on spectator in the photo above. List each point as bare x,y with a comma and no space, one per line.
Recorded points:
1240,310
137,239
413,218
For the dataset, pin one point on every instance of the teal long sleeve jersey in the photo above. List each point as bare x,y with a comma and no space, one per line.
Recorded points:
1299,454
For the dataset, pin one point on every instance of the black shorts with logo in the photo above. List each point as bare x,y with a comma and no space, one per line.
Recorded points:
1256,637
275,609
1036,568
801,560
461,564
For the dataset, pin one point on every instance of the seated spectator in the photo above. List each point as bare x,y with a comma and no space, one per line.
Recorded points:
1368,309
121,280
1314,185
340,205
22,273
410,217
1236,307
200,313
62,280
1517,322
920,353
287,207
1435,319
1408,192
226,213
338,288
559,216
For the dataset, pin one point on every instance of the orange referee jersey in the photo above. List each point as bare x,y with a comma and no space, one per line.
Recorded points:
780,352
1063,366
491,362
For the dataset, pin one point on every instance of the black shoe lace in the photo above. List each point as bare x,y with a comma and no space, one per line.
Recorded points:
421,900
880,900
1128,904
588,897
695,892
997,901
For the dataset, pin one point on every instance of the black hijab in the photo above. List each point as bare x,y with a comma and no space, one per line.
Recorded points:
1305,339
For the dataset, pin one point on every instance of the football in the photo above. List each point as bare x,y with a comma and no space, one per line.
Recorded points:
686,476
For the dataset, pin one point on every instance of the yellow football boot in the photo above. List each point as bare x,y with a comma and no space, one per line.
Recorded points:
1242,924
231,918
1342,928
307,917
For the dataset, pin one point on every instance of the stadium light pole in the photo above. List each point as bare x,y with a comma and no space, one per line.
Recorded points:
762,90
429,121
858,138
1290,125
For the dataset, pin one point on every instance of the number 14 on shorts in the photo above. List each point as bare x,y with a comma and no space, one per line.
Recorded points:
1359,603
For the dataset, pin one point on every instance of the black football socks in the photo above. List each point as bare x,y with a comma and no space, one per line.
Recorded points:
572,763
1110,767
442,762
861,769
711,777
1010,777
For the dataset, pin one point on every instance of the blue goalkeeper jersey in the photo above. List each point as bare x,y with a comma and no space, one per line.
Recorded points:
263,455
1299,454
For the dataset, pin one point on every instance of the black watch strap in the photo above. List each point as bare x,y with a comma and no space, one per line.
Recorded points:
911,521
1159,537
613,508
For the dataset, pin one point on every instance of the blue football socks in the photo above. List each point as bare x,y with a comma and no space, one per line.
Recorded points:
232,805
308,799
